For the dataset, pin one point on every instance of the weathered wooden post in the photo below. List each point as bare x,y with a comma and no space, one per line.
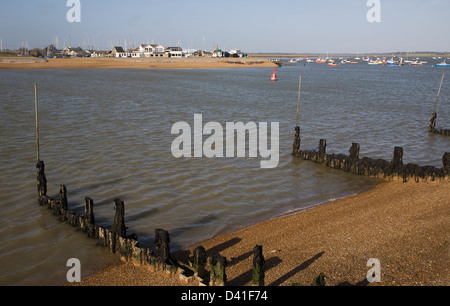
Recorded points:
350,166
354,153
432,125
218,275
395,166
397,157
322,147
258,266
41,180
322,150
199,261
162,246
63,198
119,228
296,146
320,280
89,219
446,163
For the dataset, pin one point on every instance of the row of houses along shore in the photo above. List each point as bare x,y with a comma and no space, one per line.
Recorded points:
149,51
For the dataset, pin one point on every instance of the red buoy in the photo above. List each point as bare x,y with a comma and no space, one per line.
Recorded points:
274,75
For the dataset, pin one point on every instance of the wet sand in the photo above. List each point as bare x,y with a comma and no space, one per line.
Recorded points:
406,226
139,63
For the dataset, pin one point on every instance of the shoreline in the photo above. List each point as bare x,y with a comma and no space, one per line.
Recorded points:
404,225
15,63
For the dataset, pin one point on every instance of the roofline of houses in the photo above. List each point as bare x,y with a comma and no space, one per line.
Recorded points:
146,51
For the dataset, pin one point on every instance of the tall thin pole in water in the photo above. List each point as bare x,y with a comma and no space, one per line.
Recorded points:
37,120
298,101
439,92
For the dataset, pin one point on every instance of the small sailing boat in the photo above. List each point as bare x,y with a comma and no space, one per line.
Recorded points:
443,64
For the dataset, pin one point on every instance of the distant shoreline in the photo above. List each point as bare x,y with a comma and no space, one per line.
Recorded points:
15,63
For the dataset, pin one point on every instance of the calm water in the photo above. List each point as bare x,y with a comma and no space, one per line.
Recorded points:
107,134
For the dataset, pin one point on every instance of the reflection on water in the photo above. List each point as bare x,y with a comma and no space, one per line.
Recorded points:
106,134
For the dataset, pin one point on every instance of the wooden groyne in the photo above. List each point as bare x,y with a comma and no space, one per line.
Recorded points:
118,241
379,168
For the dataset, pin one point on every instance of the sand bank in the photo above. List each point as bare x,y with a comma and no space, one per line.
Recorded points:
139,63
403,225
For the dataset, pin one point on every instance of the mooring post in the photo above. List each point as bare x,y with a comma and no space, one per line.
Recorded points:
41,179
296,147
199,261
258,266
218,275
89,219
162,246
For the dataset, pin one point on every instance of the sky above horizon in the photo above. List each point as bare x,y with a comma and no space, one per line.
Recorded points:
288,26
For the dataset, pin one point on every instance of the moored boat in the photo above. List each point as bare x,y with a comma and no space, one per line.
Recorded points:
415,63
443,64
376,62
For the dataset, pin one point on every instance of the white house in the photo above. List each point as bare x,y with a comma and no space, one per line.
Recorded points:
149,50
174,52
118,52
158,50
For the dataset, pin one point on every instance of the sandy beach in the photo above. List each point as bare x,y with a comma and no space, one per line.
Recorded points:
138,63
403,225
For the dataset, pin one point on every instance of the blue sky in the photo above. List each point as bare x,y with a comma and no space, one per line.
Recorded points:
298,26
